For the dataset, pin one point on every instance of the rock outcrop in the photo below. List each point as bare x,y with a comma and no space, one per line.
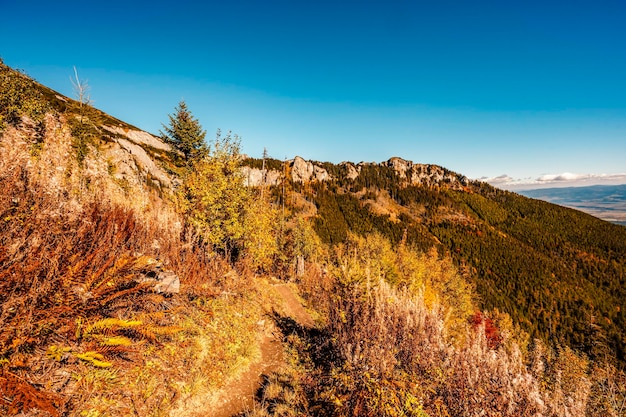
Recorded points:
409,173
302,171
424,174
255,177
132,159
140,137
352,172
401,166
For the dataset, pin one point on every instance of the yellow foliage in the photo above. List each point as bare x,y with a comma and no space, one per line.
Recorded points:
213,197
260,243
305,241
57,352
94,358
110,324
365,260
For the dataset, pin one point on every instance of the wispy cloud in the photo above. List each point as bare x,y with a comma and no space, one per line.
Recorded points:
565,179
501,179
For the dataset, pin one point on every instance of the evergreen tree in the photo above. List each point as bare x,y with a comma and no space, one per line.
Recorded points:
185,133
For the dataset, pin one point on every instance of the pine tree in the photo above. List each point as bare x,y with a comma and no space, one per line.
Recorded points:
185,133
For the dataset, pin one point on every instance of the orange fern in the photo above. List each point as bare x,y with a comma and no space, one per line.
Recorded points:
18,396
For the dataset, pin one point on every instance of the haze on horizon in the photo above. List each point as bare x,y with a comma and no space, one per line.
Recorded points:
522,95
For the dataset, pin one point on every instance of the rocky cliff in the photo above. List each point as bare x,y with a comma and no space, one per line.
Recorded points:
122,164
300,170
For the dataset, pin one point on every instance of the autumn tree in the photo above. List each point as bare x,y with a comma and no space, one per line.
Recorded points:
213,197
185,133
261,244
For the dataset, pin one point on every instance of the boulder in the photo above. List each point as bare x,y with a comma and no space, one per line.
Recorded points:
164,280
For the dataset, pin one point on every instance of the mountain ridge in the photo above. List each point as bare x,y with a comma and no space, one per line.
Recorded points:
524,256
409,172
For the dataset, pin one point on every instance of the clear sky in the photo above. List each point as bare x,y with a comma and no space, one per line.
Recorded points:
532,90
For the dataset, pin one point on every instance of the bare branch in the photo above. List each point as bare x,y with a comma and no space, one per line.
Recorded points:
81,89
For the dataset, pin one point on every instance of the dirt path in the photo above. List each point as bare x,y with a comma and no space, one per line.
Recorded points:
293,306
238,395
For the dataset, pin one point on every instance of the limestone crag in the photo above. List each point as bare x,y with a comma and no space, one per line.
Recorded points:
140,137
433,174
302,171
425,174
352,172
133,157
135,160
320,174
255,177
401,166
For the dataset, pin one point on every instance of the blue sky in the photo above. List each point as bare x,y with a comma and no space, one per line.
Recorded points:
532,90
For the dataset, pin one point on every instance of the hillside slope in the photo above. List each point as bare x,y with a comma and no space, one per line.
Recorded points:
107,308
75,139
558,272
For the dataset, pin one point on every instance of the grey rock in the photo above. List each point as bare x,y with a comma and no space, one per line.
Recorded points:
167,282
164,280
255,177
302,171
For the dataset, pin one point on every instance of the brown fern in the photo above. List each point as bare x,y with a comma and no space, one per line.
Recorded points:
70,284
17,395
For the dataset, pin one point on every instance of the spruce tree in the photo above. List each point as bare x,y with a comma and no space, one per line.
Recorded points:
185,133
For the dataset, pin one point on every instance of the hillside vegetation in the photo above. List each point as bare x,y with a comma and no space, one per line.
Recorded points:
559,273
438,298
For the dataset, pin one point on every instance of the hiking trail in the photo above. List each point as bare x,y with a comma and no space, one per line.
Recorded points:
237,396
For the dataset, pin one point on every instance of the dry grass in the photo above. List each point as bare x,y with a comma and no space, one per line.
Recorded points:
71,291
80,334
388,350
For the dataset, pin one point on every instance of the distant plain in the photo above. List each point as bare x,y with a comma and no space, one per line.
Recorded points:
607,202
